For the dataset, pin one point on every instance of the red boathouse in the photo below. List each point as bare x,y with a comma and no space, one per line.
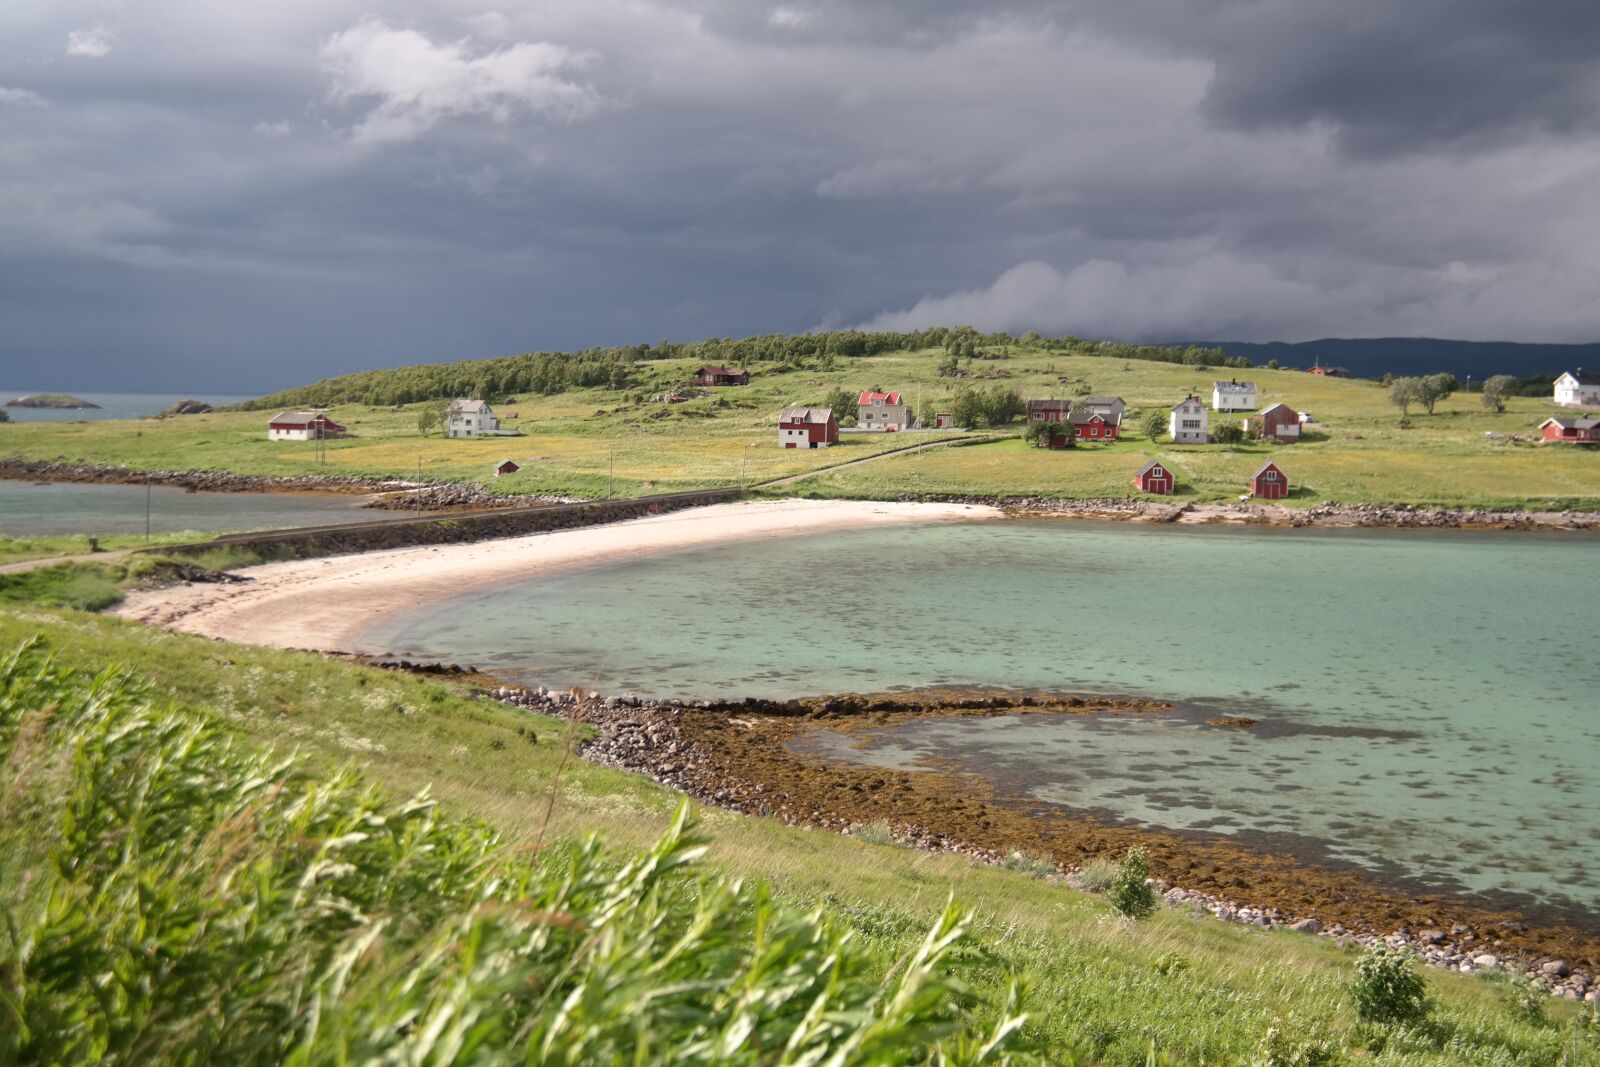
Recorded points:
1269,483
1579,431
1155,478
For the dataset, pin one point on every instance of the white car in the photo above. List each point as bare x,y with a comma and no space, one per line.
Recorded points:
1305,416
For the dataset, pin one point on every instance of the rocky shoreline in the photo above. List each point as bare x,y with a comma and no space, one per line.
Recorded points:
388,493
1329,514
685,746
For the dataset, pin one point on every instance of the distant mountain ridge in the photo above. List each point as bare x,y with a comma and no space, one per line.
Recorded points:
1372,357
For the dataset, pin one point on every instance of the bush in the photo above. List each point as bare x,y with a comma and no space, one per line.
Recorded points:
1387,987
1526,1000
875,833
1027,863
1130,891
1282,1047
1097,876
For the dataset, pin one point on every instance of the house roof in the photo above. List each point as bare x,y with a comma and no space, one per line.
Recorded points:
1234,387
1049,405
818,416
1268,465
300,418
1572,424
1080,418
464,406
1146,468
1275,407
1102,401
506,463
870,397
709,369
1184,401
1584,377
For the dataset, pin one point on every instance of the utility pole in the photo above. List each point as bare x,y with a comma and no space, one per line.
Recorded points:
416,494
147,511
611,473
744,466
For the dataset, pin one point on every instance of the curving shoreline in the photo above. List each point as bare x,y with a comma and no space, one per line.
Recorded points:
326,604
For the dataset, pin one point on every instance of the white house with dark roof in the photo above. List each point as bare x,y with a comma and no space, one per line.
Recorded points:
1189,423
1578,388
470,418
1233,396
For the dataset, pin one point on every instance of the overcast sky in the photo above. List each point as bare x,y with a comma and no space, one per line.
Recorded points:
225,196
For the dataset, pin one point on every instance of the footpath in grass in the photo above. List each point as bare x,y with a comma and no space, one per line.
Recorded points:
1100,988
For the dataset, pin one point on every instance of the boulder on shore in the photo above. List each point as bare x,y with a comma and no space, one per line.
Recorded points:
189,406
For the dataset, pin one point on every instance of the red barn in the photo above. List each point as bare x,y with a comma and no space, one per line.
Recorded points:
807,428
709,375
1154,477
1269,483
1279,423
1579,431
1093,426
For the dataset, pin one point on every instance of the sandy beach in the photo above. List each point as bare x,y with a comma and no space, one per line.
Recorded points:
325,604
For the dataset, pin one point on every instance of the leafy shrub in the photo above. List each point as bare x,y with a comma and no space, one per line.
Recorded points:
175,899
1387,987
1282,1047
1130,891
1171,964
1526,1000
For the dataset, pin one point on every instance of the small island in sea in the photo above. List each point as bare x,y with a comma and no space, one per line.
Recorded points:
62,401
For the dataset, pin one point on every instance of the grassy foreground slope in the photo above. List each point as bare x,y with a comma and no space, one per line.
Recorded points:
577,440
1196,990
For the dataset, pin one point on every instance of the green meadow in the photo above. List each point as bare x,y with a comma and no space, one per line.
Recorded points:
591,441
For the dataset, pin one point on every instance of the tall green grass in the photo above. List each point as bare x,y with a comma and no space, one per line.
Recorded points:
173,897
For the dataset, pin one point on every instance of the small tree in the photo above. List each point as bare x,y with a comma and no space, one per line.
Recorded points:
842,402
1496,389
1227,433
1272,364
1434,388
1037,434
1130,891
1155,425
5,416
427,419
1403,392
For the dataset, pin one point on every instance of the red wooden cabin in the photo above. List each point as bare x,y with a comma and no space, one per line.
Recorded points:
1279,423
1580,431
1093,426
1269,483
1154,477
709,375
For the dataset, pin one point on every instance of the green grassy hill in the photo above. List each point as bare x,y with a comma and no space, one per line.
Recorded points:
586,440
1098,988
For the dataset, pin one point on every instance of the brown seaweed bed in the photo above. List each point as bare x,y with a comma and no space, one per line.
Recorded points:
750,756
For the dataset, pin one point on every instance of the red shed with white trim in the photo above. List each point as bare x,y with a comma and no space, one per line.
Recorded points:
1154,477
1269,483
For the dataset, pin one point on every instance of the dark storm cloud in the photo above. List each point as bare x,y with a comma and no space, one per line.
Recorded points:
254,195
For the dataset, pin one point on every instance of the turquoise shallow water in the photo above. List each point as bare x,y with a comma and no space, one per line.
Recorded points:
29,510
1426,701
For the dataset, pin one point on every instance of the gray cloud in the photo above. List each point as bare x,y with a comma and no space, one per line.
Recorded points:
254,195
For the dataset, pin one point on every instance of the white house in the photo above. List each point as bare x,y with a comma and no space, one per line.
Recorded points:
1578,388
1189,423
1233,396
470,418
882,411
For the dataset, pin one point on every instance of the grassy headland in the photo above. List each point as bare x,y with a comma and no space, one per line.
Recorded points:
1196,990
589,439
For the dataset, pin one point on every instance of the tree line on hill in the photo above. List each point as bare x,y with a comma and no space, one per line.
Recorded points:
624,367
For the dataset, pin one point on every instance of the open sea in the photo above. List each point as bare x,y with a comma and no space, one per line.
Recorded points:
1427,702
